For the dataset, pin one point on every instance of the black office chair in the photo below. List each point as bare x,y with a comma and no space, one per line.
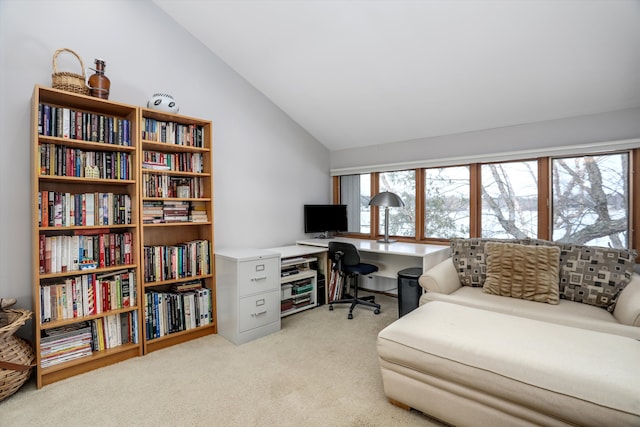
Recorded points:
347,260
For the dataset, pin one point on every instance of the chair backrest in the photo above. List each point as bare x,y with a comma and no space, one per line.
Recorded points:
347,253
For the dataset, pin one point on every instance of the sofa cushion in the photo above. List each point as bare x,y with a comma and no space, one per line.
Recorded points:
594,275
469,259
522,271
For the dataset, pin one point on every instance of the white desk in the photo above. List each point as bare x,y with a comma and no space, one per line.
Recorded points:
298,250
390,257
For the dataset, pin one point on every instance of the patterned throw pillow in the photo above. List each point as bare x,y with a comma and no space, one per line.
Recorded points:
528,272
469,259
594,275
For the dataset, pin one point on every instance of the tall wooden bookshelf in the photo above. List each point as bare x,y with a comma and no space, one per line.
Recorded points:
86,248
177,239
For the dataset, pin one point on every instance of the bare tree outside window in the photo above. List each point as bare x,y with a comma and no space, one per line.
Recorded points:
402,221
447,209
591,200
510,200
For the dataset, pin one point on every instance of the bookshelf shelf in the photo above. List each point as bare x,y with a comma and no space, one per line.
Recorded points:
302,275
175,173
97,271
97,359
58,323
66,297
86,227
178,224
180,337
177,199
96,355
176,280
163,146
86,181
85,145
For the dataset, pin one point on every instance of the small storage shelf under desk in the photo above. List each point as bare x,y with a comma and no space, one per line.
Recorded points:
302,277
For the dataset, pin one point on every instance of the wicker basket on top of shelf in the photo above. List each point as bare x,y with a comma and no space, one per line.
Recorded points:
67,81
16,354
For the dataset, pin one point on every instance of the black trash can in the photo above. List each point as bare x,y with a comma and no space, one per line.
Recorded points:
409,291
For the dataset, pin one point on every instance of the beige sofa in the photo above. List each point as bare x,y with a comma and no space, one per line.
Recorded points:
442,283
471,358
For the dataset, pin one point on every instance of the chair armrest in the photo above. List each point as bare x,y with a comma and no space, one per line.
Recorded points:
627,309
441,278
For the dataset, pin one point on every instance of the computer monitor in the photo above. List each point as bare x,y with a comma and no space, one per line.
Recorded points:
325,218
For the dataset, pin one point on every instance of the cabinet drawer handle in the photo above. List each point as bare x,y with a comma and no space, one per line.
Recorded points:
259,313
256,279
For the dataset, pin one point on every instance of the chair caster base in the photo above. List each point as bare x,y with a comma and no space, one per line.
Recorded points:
376,311
350,316
330,308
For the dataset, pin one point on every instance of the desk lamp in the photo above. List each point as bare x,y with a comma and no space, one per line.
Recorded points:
387,200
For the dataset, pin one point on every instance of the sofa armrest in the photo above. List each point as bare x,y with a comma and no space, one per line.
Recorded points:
441,278
627,309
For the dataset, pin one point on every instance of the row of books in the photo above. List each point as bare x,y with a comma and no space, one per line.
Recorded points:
161,212
336,285
182,162
66,343
198,212
158,212
115,330
187,259
295,303
154,185
57,209
302,286
72,124
59,254
87,295
59,160
301,301
173,133
169,312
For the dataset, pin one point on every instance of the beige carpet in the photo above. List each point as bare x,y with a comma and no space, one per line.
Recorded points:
321,369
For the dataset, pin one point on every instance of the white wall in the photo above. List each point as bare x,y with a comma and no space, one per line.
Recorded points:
526,138
265,166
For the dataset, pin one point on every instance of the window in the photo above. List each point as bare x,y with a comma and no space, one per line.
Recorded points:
402,221
583,199
446,201
591,200
355,192
509,200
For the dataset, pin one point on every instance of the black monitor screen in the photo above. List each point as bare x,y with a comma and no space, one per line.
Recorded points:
323,218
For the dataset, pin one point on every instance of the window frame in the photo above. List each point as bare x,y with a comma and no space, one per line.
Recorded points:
475,208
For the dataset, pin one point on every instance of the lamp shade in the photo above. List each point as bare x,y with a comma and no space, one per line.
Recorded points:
386,198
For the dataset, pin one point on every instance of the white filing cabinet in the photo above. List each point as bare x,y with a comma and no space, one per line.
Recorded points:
247,293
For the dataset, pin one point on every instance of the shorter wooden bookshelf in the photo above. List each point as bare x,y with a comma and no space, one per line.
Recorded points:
177,236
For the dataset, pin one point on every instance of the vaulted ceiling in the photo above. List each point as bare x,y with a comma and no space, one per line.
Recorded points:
358,73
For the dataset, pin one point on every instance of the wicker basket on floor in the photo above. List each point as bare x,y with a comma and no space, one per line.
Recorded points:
16,354
66,81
